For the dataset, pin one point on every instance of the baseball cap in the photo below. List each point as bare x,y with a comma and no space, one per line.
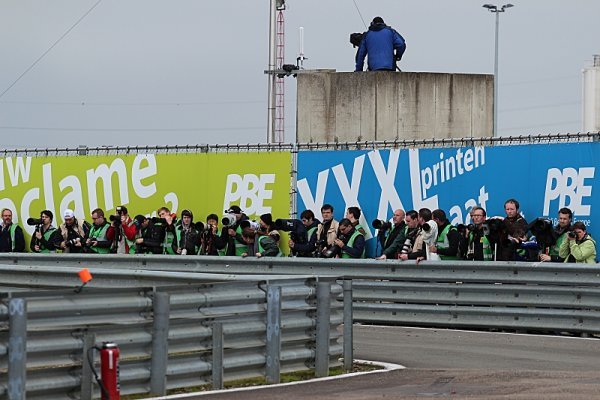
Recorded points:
69,213
234,210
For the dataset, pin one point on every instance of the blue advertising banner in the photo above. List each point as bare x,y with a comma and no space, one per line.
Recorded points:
542,177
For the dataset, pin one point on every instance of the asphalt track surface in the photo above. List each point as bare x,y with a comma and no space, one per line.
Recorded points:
455,364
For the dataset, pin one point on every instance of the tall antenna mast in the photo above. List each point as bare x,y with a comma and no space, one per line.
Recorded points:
275,119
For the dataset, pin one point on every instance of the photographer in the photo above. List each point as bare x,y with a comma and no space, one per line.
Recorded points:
565,217
11,235
121,232
311,224
97,242
152,236
232,231
579,247
404,241
40,241
71,234
353,214
166,221
188,237
448,239
326,231
211,243
350,241
479,247
260,244
398,226
514,230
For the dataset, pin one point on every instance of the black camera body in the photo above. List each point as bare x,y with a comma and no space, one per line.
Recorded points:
572,234
356,38
544,233
295,227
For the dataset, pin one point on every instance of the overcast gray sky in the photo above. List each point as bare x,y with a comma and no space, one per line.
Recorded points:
191,71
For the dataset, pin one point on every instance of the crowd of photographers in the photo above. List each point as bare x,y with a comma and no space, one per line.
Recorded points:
412,235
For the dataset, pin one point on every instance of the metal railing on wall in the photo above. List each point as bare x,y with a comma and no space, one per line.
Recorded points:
315,146
453,294
170,336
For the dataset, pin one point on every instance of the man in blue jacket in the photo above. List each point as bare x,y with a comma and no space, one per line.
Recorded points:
379,43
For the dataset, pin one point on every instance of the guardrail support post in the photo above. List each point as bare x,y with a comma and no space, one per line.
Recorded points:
348,335
273,333
17,348
87,387
160,343
217,355
323,329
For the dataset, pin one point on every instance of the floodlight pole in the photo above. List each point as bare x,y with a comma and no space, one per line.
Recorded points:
493,8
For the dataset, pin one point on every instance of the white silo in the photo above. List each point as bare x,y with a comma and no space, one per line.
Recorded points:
591,96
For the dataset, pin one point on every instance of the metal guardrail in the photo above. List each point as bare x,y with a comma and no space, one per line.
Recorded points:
459,294
170,336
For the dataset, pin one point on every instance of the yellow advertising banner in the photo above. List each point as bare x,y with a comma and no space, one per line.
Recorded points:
204,183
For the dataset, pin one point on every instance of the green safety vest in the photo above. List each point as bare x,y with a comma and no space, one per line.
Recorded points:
47,236
223,251
442,242
311,231
100,234
488,253
554,249
240,248
12,230
351,242
261,249
168,242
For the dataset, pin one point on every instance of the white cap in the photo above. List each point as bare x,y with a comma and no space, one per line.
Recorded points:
68,213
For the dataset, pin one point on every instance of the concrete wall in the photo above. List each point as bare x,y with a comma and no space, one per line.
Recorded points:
359,106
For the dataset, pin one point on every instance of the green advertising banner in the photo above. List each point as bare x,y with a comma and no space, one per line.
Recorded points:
204,183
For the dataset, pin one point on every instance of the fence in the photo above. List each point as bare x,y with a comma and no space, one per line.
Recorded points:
454,294
169,336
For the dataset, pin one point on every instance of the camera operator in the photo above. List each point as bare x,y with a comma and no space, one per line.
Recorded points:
326,230
350,241
211,242
152,236
579,247
260,244
404,241
398,226
565,216
513,233
97,242
71,234
11,234
353,214
121,232
479,246
166,221
188,237
448,239
40,241
311,224
232,233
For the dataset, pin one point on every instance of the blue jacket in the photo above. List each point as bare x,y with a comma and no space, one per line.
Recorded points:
379,43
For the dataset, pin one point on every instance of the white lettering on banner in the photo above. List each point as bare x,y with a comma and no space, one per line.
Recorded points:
48,188
73,197
19,169
568,183
172,201
32,194
105,173
315,203
389,195
457,211
415,181
250,191
350,190
139,173
447,168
